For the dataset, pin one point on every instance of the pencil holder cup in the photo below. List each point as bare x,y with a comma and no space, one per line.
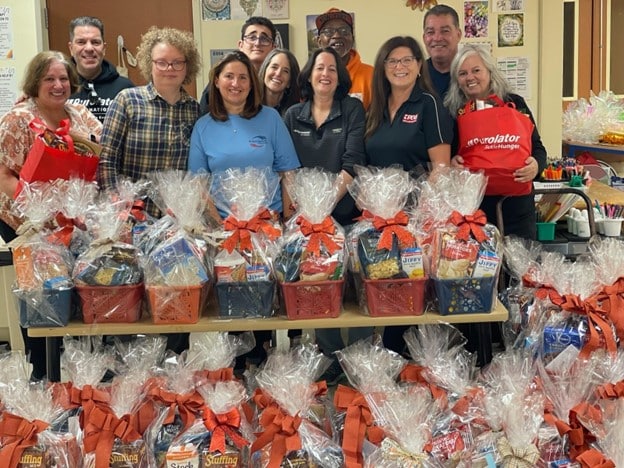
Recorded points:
546,231
612,227
583,228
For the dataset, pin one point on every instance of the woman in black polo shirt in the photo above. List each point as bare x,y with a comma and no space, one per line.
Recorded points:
328,131
406,123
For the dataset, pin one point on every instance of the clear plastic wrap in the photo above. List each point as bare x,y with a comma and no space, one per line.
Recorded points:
588,120
287,395
31,430
246,243
42,262
313,245
108,275
178,272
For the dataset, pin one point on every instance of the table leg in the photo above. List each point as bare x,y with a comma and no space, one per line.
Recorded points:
53,358
484,350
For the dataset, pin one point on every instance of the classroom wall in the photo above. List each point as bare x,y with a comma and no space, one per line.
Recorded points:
374,23
377,21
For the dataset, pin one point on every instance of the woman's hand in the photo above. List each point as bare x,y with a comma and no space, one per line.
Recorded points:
528,172
457,161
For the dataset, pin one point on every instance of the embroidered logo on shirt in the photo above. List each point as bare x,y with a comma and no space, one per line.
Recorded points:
336,130
258,142
302,132
410,118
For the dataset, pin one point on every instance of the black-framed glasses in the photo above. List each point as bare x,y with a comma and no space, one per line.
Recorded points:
163,65
262,39
405,61
329,32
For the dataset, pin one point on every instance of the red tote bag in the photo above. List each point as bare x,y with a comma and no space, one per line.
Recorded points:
45,163
496,140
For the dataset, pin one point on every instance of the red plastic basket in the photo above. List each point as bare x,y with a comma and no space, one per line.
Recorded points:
392,297
177,304
313,299
111,304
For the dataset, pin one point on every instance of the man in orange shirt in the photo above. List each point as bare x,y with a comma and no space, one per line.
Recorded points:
335,29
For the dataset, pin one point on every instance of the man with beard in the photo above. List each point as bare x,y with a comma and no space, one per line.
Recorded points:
441,35
335,29
99,80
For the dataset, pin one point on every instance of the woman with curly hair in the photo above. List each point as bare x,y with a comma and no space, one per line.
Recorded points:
148,128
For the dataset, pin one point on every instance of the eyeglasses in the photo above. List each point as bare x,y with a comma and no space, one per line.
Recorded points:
405,61
329,32
261,39
163,65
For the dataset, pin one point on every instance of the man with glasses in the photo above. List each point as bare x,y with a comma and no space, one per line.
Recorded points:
335,29
257,40
99,79
441,35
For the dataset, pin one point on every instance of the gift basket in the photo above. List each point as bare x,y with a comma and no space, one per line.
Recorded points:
107,275
177,272
389,261
466,253
243,265
58,155
42,262
287,398
311,260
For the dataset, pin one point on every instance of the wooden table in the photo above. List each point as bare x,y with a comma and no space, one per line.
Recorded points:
350,317
605,194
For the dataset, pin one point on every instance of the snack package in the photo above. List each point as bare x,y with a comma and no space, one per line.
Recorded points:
286,396
313,245
42,263
177,270
466,254
108,275
246,243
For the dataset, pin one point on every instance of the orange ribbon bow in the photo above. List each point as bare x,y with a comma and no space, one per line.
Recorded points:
413,373
592,458
221,425
63,234
390,226
470,224
598,319
579,437
611,299
358,424
241,236
281,431
17,435
225,374
188,406
610,391
319,235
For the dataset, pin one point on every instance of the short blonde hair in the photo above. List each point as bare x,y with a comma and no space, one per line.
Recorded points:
181,40
38,67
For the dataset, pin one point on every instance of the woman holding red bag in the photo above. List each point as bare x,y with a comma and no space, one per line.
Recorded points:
505,133
50,78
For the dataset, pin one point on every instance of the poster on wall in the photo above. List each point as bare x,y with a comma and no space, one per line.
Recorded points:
476,19
243,9
275,9
217,54
8,89
508,5
6,33
215,10
511,30
516,70
311,32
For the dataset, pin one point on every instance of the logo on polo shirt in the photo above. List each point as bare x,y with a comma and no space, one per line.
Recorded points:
410,118
258,142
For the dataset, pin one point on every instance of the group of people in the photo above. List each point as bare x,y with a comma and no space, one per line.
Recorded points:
260,109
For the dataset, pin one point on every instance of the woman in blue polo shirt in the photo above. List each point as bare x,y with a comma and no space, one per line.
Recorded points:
406,122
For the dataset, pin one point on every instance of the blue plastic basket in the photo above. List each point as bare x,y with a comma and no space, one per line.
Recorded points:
465,295
45,308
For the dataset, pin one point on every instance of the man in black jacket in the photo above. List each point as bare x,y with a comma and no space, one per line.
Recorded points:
99,79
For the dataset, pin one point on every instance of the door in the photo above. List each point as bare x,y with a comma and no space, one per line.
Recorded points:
128,18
